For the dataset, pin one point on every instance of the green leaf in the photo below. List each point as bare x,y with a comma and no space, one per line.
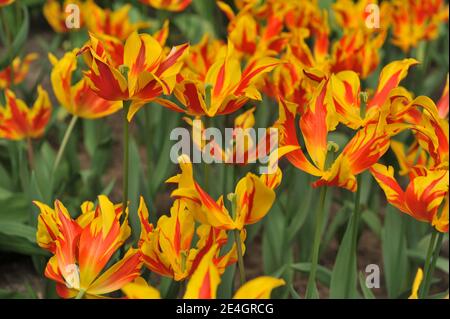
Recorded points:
372,220
20,245
419,255
17,229
6,294
18,42
193,26
394,248
343,277
323,273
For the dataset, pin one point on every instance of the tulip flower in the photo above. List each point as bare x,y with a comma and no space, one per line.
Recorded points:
357,51
202,56
18,121
408,157
225,88
416,285
169,5
351,15
4,3
417,20
140,289
169,248
242,148
139,71
78,99
423,196
362,151
205,280
254,197
113,23
249,37
55,13
16,72
82,248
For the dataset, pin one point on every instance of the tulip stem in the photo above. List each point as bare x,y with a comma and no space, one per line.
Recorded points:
80,294
30,153
355,226
126,154
310,289
64,142
237,239
430,263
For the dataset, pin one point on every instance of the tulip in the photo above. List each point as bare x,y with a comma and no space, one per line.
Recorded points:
17,71
83,247
18,122
169,5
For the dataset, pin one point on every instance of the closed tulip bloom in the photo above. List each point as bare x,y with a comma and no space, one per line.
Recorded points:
18,121
78,98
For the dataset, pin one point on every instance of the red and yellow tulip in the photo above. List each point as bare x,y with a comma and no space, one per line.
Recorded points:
4,3
169,5
414,21
225,87
251,201
169,250
83,247
247,35
423,196
242,148
17,71
56,15
139,71
78,99
205,280
18,121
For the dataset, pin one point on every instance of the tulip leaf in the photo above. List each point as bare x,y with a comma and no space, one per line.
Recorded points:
193,26
18,41
12,228
344,275
323,273
394,248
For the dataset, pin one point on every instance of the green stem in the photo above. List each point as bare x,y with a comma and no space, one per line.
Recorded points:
355,226
429,274
427,262
80,294
126,154
237,239
64,142
30,153
320,214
